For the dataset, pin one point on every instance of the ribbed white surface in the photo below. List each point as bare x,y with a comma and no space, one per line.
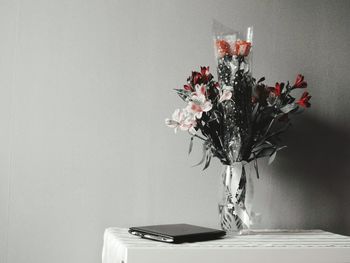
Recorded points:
289,246
264,238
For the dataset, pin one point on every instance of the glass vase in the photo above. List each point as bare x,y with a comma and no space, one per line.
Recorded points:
235,213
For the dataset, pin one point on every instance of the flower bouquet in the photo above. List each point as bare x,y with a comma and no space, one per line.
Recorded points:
239,119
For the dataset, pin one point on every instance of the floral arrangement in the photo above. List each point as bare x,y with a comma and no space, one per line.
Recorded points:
238,118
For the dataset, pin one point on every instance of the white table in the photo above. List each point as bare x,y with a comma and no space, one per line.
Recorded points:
313,246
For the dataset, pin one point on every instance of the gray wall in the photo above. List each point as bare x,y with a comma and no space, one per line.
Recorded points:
84,90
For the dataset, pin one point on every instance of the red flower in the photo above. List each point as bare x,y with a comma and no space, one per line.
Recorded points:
262,92
188,87
206,76
299,82
278,89
196,77
304,100
223,48
205,71
241,48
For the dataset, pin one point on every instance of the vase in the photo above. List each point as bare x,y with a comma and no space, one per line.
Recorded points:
235,213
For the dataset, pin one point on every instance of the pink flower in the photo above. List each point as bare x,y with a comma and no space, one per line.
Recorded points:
183,120
198,102
200,90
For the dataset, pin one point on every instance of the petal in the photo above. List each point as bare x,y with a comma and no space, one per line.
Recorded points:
207,106
305,94
200,99
192,130
175,115
229,88
200,90
187,87
171,123
203,90
184,127
226,95
205,71
193,107
198,115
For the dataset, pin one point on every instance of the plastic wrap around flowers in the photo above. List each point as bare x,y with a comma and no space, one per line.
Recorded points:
238,118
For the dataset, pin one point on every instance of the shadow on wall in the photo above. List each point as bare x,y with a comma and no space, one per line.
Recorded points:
314,176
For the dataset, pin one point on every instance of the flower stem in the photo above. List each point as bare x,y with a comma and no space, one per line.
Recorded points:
199,137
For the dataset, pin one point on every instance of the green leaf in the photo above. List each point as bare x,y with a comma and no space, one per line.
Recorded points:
260,147
203,157
272,157
182,93
282,147
261,79
265,152
269,127
208,159
191,145
256,167
289,107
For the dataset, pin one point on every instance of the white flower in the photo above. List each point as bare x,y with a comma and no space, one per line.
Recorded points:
183,120
225,93
198,102
199,90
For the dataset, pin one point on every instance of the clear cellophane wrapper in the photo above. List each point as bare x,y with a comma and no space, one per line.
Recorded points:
233,53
